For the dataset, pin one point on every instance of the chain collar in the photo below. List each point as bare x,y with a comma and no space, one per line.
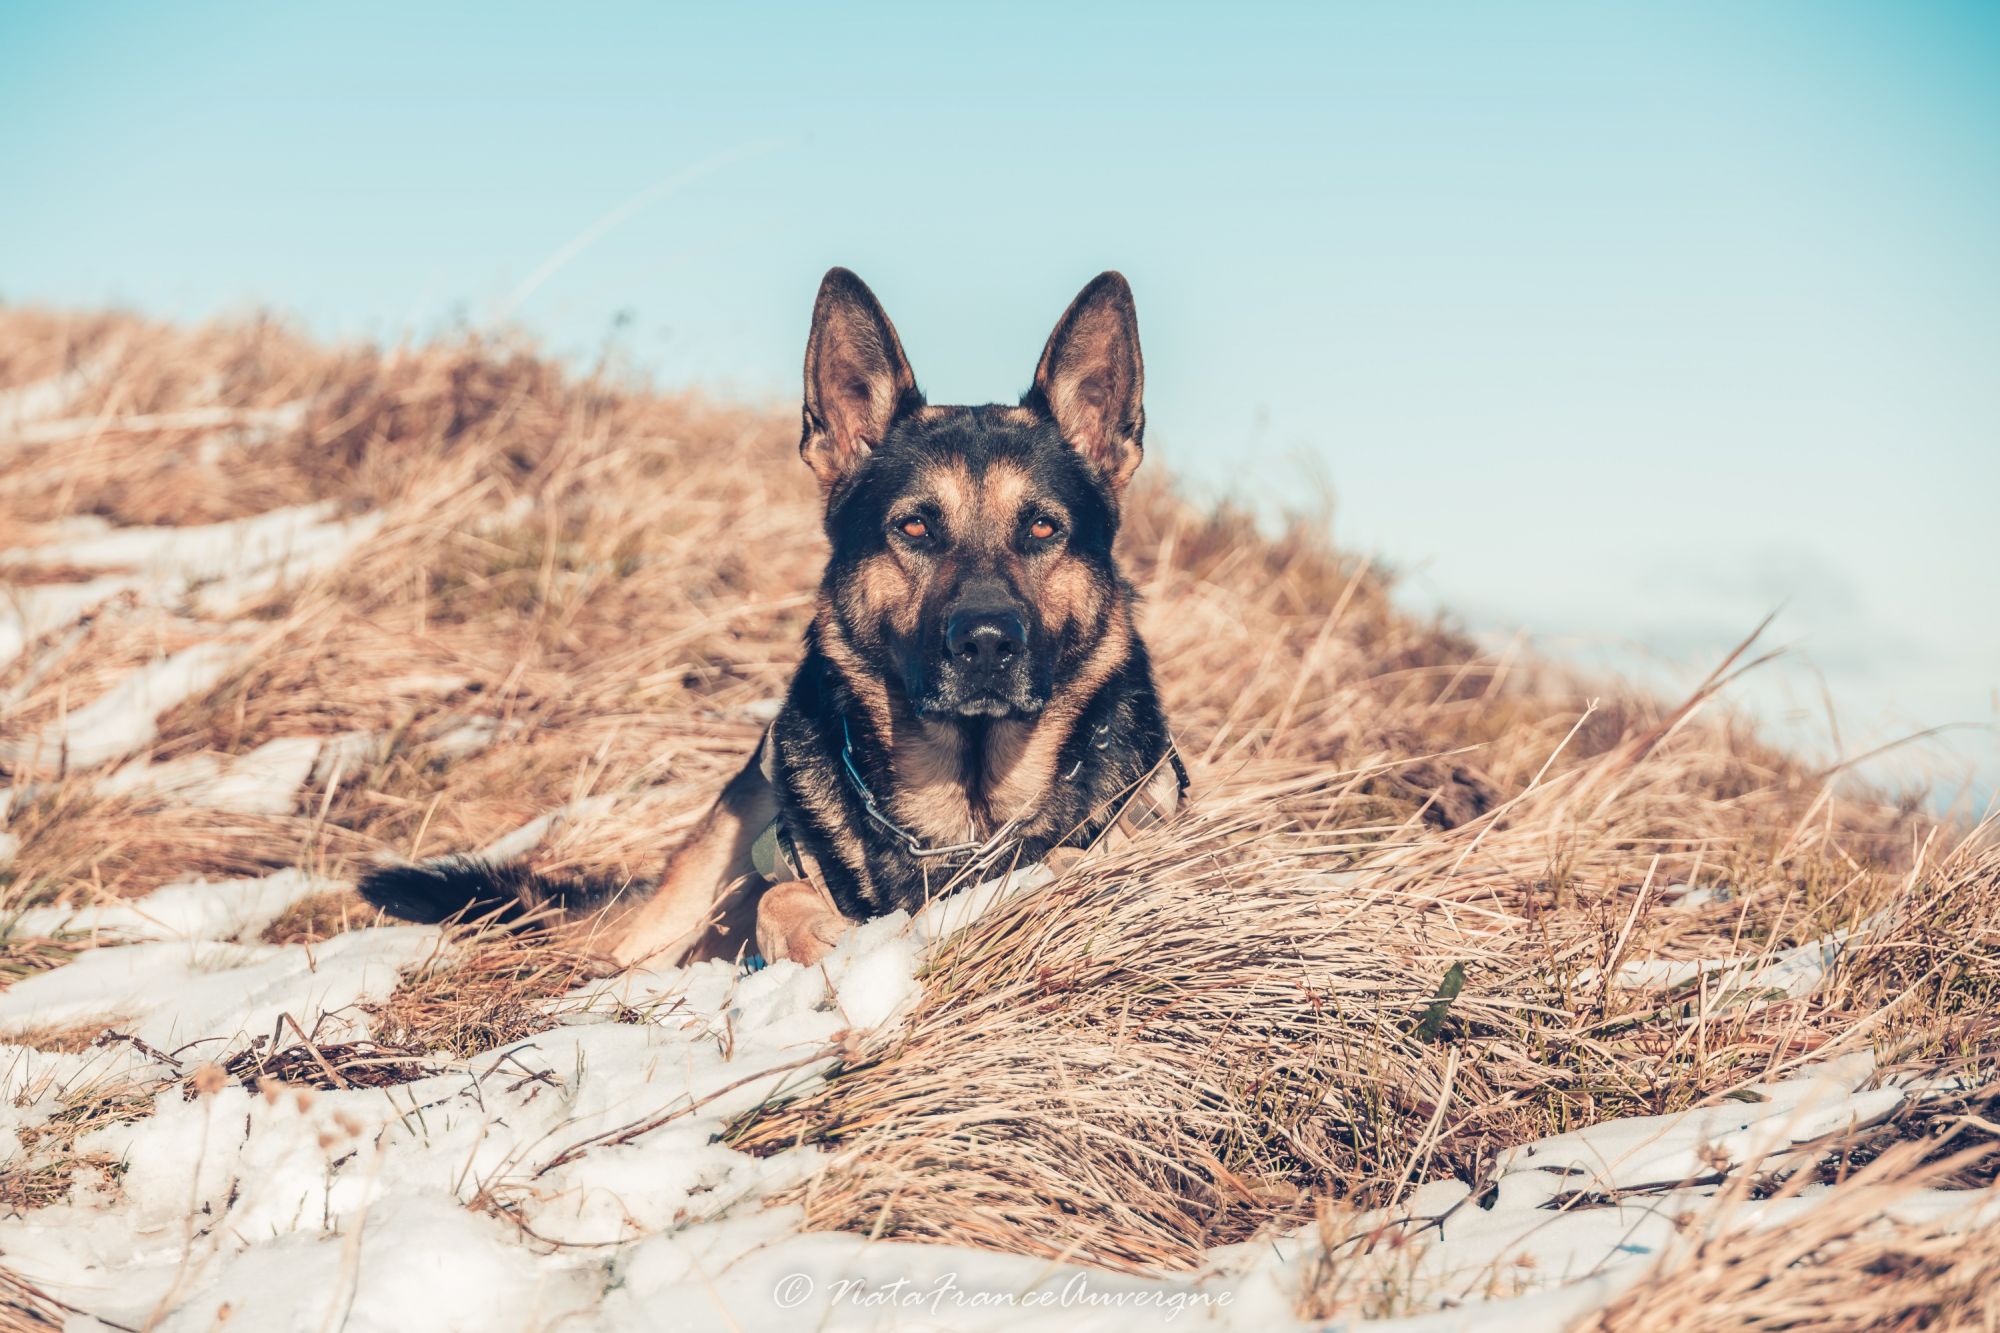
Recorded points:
970,852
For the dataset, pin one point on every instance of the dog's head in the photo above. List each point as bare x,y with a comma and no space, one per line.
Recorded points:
972,545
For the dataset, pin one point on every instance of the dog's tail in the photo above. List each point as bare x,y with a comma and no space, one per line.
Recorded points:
467,888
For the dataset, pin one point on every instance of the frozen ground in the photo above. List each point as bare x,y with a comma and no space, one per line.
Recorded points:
381,1208
368,1207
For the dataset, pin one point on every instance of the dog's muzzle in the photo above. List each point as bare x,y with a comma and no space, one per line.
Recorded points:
985,661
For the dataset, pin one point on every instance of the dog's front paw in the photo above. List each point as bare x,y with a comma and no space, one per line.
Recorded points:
796,921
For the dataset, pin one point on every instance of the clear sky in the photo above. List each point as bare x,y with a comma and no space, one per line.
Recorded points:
1622,324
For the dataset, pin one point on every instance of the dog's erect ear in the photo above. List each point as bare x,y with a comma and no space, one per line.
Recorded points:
857,378
1091,380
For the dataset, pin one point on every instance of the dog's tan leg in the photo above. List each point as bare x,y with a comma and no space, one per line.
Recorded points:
706,876
732,926
796,920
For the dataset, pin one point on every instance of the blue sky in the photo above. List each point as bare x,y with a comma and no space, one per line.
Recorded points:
1620,324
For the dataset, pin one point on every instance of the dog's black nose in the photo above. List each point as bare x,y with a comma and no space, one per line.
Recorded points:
985,640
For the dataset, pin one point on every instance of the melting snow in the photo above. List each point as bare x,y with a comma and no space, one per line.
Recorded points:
124,718
197,910
211,566
1792,973
40,399
265,781
602,1138
213,996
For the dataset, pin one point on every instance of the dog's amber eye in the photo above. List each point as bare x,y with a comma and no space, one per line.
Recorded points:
1041,529
915,527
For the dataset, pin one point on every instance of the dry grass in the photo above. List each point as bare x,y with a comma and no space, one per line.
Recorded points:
489,991
23,1309
1228,1025
1852,1264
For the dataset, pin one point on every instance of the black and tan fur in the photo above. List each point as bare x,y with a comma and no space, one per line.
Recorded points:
973,664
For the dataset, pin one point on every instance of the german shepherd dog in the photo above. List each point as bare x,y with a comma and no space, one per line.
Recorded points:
973,695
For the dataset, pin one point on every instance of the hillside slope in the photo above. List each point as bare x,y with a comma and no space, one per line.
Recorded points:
1436,920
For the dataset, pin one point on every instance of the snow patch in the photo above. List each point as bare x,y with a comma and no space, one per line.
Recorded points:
265,781
212,567
1790,973
44,398
126,717
254,424
213,996
194,910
